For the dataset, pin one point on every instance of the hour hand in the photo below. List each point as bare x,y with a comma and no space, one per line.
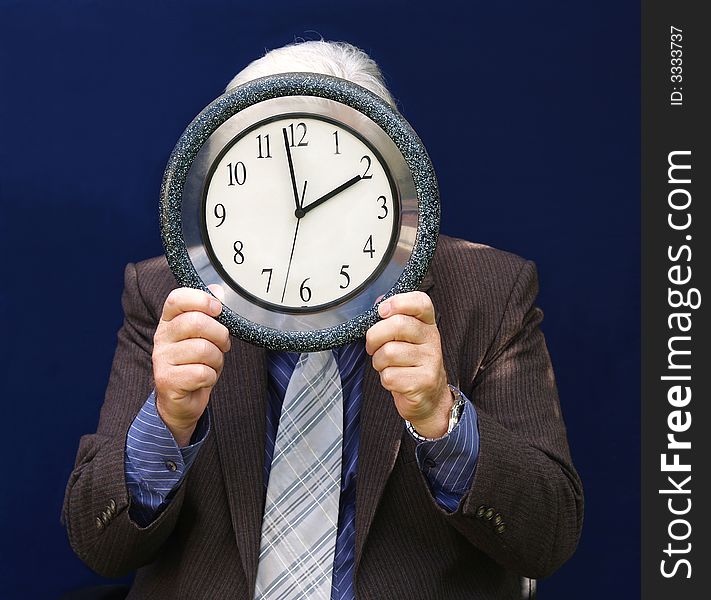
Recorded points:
291,169
300,212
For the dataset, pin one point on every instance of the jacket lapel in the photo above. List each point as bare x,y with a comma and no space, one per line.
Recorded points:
380,434
239,404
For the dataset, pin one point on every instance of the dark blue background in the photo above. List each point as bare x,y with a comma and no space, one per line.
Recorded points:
530,112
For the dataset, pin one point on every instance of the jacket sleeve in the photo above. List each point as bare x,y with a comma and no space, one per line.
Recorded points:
525,504
96,501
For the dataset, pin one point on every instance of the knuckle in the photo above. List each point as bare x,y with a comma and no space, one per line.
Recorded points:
203,347
160,379
178,324
390,352
405,326
173,300
195,321
387,377
203,374
158,357
375,361
157,364
157,345
205,303
172,297
399,321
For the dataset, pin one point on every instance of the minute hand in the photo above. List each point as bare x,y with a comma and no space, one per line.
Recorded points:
344,186
291,171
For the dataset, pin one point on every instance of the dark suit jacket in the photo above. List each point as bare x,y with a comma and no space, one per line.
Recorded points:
206,543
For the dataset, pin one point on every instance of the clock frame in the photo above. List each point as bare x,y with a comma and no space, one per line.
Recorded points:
326,98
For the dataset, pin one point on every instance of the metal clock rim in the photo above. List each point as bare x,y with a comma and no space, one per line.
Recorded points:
290,310
300,84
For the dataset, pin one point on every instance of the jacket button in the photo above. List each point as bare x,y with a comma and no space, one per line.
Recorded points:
171,466
480,511
500,528
112,505
497,519
488,514
99,524
105,518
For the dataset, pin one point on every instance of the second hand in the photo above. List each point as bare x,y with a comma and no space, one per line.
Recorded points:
293,244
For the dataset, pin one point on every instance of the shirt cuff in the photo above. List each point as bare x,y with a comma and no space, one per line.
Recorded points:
449,462
154,464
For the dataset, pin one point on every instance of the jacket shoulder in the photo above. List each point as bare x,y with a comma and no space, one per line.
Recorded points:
154,281
462,264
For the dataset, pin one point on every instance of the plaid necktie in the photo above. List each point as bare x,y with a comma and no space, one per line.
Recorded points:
301,511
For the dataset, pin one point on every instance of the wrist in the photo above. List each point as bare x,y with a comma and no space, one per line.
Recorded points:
436,425
181,430
427,432
182,436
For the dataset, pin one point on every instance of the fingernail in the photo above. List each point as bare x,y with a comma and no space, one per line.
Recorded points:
215,307
384,309
217,290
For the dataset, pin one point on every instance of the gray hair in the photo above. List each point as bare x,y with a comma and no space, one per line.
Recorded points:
339,59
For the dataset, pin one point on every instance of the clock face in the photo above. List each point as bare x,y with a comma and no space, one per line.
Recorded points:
299,213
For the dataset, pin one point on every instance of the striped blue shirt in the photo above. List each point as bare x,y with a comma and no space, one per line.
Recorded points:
155,465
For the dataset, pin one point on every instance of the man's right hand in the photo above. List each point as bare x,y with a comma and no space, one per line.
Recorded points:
188,349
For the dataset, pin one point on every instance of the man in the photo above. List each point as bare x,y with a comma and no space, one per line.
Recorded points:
456,478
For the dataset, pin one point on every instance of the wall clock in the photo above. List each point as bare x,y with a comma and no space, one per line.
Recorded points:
308,198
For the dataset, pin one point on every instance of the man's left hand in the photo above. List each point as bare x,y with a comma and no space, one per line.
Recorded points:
407,352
